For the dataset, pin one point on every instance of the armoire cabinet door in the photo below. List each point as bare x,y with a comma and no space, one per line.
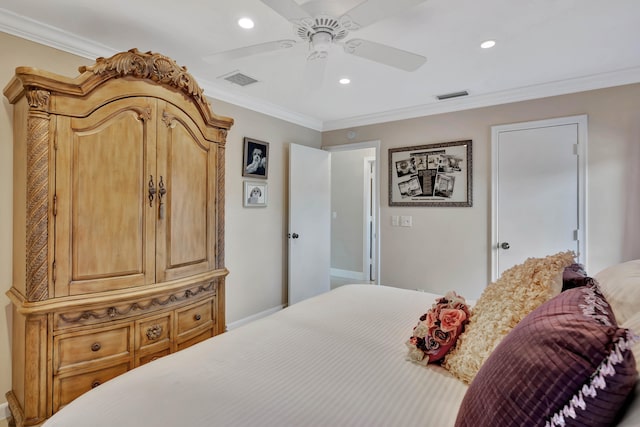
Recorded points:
185,242
104,220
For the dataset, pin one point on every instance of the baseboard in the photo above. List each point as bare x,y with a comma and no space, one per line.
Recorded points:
355,275
4,411
253,317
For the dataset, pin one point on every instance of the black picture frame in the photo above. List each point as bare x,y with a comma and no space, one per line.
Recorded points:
431,175
256,158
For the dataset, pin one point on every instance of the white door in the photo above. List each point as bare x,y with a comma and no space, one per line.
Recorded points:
538,190
309,222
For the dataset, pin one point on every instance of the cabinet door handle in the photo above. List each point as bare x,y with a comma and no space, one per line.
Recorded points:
197,317
152,190
96,346
161,192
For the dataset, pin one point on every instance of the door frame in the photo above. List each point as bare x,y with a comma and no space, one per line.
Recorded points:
369,234
580,149
376,173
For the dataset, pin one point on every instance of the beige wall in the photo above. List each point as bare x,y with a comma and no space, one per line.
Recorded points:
448,248
255,238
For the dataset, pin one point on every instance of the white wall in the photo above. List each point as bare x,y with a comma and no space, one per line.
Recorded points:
449,248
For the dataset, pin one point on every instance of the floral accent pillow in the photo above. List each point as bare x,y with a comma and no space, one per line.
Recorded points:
438,329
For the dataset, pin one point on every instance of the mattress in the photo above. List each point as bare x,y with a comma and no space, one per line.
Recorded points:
333,360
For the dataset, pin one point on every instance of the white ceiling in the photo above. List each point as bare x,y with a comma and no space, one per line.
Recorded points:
544,47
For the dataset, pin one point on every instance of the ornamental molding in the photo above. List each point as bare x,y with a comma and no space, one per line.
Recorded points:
118,311
148,65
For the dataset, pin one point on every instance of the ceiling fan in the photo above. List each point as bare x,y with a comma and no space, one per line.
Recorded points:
323,23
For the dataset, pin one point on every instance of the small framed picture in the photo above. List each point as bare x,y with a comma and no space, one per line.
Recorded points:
256,158
255,194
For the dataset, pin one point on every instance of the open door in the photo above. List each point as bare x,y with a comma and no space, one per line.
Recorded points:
309,222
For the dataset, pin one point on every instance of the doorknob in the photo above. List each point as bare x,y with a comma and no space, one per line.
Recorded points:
294,235
505,245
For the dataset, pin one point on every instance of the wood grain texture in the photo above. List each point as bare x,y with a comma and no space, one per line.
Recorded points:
123,242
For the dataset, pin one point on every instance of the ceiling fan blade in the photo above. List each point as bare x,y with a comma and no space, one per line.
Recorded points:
329,7
384,54
290,9
371,11
255,49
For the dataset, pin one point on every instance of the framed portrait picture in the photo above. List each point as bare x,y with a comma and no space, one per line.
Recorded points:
256,158
255,194
431,175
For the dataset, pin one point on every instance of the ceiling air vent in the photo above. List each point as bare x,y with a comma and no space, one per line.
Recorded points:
240,79
452,95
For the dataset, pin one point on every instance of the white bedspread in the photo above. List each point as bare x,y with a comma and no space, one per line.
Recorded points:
334,360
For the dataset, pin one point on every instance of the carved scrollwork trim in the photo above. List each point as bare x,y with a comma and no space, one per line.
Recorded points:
154,332
38,99
148,65
37,288
115,312
220,200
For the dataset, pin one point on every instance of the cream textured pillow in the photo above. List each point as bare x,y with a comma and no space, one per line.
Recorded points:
633,323
502,305
620,285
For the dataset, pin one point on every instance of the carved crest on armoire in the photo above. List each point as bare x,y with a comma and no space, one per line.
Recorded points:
118,224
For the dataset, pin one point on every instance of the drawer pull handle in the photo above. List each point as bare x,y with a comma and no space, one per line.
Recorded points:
154,332
197,317
95,384
96,346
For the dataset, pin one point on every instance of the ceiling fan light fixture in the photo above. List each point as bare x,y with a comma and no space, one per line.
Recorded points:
246,23
321,41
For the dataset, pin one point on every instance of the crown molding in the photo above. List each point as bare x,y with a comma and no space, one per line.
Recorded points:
258,105
47,35
561,87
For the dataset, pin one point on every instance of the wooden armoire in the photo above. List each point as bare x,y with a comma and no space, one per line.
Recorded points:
118,245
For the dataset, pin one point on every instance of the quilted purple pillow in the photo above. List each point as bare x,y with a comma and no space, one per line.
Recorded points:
566,363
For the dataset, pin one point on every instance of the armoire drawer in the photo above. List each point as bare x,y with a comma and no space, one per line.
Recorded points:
194,316
152,356
65,389
153,332
90,346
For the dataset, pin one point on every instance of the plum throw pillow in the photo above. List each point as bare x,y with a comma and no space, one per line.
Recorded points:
566,364
503,304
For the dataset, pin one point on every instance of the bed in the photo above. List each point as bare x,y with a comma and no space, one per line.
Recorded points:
336,359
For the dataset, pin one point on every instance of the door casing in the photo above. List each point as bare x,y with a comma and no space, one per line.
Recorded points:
580,148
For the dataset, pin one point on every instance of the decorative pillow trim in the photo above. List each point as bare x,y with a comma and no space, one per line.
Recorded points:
595,305
597,381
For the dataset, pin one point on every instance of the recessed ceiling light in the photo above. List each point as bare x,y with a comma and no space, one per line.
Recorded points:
488,44
245,23
344,81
